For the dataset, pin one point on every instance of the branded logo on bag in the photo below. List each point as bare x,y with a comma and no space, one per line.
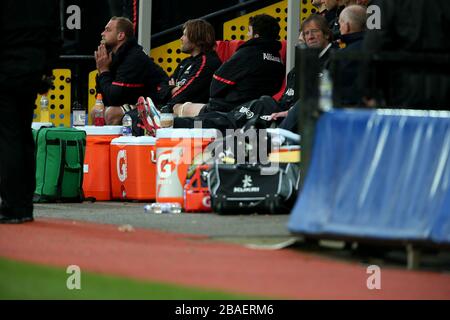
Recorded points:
122,165
165,165
248,114
247,185
206,202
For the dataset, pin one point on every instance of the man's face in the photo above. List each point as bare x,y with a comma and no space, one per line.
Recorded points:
186,45
110,36
344,27
314,37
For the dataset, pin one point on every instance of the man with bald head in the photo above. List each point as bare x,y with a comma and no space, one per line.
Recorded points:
352,25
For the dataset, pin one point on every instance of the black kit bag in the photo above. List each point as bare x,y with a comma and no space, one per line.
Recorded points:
253,188
253,113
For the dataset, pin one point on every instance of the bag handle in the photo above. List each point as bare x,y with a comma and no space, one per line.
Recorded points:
62,164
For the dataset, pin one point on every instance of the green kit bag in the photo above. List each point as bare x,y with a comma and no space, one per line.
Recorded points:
59,164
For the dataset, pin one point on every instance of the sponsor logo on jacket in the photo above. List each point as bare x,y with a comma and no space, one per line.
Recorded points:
290,92
247,185
248,114
271,57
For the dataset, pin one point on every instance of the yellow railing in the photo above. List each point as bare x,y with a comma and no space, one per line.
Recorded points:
167,56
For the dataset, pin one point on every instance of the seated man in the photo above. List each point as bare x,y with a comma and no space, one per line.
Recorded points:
191,80
316,34
254,70
352,21
125,72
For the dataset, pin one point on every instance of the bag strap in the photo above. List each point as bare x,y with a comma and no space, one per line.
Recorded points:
62,165
81,161
80,144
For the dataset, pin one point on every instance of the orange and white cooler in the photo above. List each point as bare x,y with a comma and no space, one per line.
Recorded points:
285,146
286,154
133,168
96,178
175,150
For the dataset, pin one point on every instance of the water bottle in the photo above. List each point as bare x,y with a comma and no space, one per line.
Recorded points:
45,114
161,208
325,92
99,117
78,114
127,125
99,111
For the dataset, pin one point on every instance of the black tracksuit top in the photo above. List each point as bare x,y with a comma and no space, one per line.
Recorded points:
132,74
255,69
193,75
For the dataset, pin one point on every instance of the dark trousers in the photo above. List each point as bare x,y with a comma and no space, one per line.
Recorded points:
17,158
291,121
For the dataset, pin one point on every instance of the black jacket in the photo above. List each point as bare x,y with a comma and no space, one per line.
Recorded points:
254,70
348,70
288,97
332,18
193,75
416,27
30,38
132,74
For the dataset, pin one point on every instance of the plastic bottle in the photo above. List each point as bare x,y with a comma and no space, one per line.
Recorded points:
127,125
99,111
161,208
325,92
45,114
78,114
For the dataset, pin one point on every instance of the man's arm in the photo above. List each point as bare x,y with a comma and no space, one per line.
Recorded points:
117,89
231,72
197,84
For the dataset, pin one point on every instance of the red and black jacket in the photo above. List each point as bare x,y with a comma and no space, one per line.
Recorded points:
193,75
132,74
255,69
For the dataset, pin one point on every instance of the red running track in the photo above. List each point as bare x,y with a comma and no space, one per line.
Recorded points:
193,261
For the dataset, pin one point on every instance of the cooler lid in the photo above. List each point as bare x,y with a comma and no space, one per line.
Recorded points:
101,130
38,125
186,133
134,141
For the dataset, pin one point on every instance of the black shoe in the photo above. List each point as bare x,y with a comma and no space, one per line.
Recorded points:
14,220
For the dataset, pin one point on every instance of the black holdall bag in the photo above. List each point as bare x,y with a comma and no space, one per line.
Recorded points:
253,188
254,113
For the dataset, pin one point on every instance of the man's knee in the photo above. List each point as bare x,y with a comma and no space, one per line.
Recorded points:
113,116
187,109
177,109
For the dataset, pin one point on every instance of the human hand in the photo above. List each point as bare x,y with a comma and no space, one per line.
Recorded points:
276,116
175,89
103,59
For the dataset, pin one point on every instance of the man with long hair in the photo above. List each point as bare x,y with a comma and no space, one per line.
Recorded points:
191,80
254,70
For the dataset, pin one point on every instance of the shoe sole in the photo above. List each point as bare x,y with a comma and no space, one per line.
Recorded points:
154,113
145,117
